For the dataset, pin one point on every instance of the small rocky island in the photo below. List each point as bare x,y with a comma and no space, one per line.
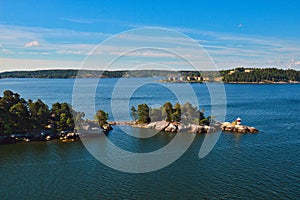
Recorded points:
181,118
191,128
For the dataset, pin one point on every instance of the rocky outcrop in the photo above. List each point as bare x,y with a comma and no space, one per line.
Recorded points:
226,126
122,123
183,128
92,127
151,125
252,130
107,128
179,127
161,125
194,128
68,137
171,128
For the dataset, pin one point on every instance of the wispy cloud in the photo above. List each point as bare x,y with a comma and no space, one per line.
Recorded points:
75,52
78,20
13,36
34,43
227,50
96,21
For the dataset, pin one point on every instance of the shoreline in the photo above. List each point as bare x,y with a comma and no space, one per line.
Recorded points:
221,82
264,83
163,81
172,127
190,128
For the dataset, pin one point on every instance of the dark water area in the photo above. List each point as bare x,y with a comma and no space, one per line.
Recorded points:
240,166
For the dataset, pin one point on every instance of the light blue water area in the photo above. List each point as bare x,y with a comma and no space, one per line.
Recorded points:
241,166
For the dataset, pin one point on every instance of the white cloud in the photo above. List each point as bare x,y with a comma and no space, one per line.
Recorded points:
34,43
240,25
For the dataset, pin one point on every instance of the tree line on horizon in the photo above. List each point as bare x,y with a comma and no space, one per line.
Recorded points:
255,75
241,74
73,73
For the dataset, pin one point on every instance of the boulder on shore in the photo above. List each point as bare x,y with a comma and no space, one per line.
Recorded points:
181,127
171,128
152,125
161,125
253,130
194,128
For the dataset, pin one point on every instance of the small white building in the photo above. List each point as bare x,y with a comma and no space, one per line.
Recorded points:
238,121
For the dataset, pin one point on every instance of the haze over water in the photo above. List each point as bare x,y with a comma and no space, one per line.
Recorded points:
241,166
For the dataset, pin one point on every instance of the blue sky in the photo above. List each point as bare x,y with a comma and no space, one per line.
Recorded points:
60,34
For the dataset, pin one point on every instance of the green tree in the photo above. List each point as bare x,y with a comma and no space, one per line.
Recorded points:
143,114
168,110
134,113
2,118
14,116
176,115
39,115
20,120
101,117
62,118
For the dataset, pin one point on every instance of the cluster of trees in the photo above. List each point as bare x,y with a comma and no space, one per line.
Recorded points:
101,117
260,75
18,116
185,113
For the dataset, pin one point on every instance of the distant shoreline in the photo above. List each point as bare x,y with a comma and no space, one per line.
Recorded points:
233,76
264,83
193,82
253,83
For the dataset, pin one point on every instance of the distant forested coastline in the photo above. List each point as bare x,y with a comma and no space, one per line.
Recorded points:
258,75
73,73
237,75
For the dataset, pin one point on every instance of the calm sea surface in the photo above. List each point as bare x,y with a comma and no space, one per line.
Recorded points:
250,166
